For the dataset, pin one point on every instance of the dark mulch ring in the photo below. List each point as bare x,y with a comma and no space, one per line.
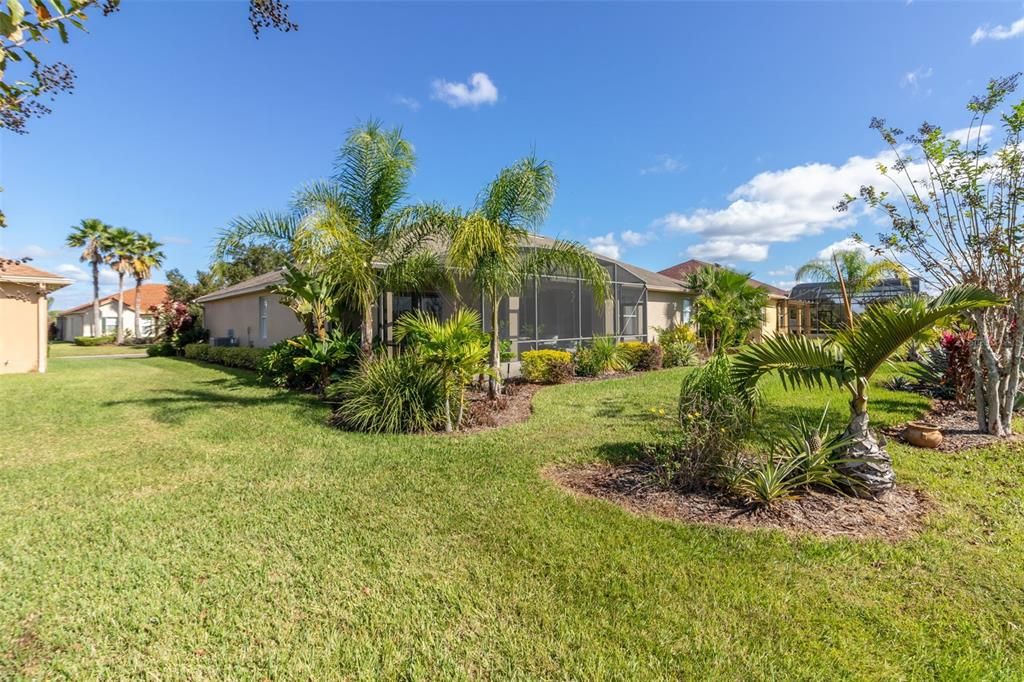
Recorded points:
515,405
959,427
898,515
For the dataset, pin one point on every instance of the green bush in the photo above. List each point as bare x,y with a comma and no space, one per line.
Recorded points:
642,356
681,333
586,362
390,395
603,355
197,351
278,367
229,356
162,349
679,354
95,340
547,366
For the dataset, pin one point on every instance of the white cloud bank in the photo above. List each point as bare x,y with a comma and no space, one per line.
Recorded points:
848,244
478,90
717,249
605,245
998,32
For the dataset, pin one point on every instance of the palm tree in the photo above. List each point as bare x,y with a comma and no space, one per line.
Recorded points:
849,358
491,245
92,236
120,251
728,307
145,256
855,273
457,347
353,227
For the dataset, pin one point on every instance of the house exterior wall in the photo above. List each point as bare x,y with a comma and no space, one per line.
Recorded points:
23,329
240,316
769,322
664,310
81,323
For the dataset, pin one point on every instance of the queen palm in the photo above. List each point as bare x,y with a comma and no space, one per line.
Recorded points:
120,253
92,236
855,273
145,256
849,358
492,244
354,228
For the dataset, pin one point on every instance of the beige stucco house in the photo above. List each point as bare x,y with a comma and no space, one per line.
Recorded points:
78,321
552,312
24,318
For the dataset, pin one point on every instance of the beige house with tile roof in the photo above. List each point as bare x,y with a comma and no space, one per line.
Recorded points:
78,321
24,318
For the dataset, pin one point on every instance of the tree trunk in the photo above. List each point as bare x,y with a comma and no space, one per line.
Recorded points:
494,383
872,468
997,379
120,308
462,408
96,328
448,412
366,334
138,313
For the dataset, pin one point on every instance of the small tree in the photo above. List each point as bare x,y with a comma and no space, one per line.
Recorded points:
93,237
855,273
728,308
955,214
145,255
120,255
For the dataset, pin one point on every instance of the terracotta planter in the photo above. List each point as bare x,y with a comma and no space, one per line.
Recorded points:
923,435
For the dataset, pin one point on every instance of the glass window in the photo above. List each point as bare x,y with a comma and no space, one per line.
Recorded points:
264,309
558,308
109,325
686,311
631,310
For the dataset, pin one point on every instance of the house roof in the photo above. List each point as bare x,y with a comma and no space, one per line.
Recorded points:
683,270
829,291
12,271
653,280
151,295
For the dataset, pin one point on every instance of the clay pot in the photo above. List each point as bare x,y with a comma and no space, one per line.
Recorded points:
923,435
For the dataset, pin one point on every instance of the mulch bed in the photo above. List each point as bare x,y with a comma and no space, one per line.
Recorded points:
896,516
959,429
514,406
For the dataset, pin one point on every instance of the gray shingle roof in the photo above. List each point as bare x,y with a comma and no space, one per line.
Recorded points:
257,283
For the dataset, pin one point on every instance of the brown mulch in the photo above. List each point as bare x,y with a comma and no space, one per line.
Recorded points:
898,515
959,427
514,406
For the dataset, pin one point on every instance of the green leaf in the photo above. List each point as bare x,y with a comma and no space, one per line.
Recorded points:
17,12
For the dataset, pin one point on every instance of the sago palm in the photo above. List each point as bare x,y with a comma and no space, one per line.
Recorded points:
849,358
491,245
854,272
728,307
353,227
92,236
120,252
145,256
456,347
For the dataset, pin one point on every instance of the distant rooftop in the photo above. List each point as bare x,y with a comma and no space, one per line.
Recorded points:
683,270
830,291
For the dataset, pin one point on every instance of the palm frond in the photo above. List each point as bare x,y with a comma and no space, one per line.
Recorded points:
276,228
799,361
569,259
520,195
373,169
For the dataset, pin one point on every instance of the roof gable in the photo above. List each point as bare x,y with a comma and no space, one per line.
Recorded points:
683,270
151,295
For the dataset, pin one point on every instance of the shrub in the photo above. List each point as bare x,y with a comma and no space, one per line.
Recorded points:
899,383
229,356
94,340
679,354
681,333
714,418
642,356
603,355
197,351
390,395
278,367
162,349
547,366
946,371
586,363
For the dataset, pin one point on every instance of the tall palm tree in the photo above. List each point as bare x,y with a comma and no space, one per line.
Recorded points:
354,227
727,308
849,358
120,254
456,347
92,236
491,245
145,256
854,272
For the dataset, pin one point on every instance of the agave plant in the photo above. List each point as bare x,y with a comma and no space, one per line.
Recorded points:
849,358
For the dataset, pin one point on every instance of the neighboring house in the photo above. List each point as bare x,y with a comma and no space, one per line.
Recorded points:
552,312
78,321
820,304
775,317
24,318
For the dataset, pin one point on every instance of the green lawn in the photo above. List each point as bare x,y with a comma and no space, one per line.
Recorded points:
64,349
169,520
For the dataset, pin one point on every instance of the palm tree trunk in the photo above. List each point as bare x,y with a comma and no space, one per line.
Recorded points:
462,409
494,383
448,412
120,307
366,333
138,313
96,329
871,465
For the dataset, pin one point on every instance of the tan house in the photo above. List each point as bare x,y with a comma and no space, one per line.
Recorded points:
24,318
552,312
775,317
78,321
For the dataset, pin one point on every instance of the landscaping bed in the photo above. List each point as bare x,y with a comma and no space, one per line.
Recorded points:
893,517
959,427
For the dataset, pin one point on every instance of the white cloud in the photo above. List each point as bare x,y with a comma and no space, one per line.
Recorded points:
785,270
786,284
606,245
848,244
175,240
998,32
913,79
728,248
478,90
81,274
636,238
970,135
411,103
663,163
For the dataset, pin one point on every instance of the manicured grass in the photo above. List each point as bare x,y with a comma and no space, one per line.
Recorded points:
64,349
164,519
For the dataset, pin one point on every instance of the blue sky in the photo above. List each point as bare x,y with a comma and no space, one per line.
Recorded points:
722,131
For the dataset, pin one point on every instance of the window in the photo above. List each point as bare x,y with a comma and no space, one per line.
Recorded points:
631,311
686,311
109,325
264,309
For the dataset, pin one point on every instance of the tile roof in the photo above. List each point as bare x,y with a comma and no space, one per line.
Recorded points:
11,269
683,270
152,295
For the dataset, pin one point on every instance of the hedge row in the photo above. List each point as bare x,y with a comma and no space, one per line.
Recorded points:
229,356
95,340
